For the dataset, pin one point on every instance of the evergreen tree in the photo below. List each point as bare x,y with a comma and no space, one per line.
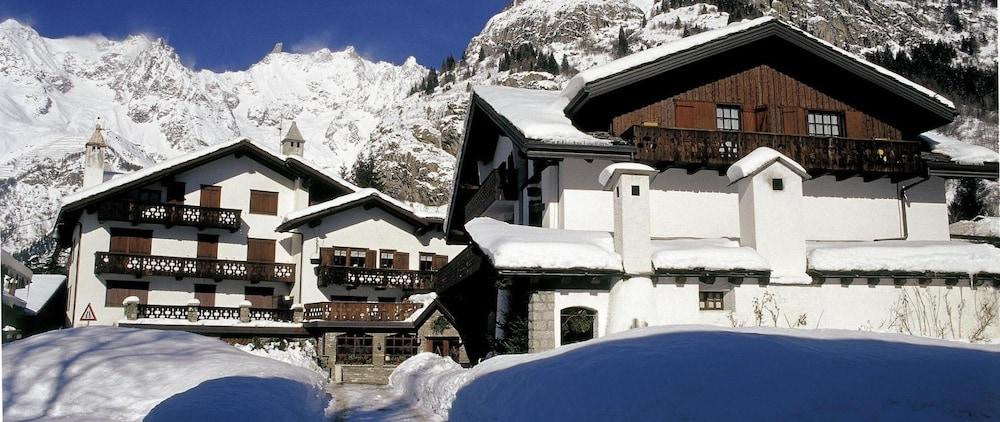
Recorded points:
366,172
966,204
564,66
431,81
482,53
621,48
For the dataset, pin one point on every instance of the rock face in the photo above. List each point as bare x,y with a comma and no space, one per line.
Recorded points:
156,106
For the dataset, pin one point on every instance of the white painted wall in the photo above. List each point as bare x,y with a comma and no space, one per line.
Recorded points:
370,229
771,220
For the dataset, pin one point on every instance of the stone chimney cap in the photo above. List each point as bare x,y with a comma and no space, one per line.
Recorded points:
609,176
97,139
293,134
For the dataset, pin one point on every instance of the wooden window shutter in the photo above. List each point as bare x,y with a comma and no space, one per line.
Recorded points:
401,260
119,290
205,293
131,241
760,121
260,250
211,196
208,246
694,114
175,192
439,262
855,124
371,258
259,297
792,121
684,112
325,256
747,121
119,241
262,202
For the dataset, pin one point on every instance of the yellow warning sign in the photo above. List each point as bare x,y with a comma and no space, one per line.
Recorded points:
88,314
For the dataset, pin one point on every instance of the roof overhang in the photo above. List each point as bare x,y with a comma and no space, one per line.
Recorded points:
368,200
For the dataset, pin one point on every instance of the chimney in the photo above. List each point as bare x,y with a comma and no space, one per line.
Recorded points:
770,201
93,168
293,143
629,183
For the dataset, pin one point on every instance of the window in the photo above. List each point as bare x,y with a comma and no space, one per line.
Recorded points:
577,324
205,293
777,184
260,250
358,258
727,117
175,192
208,246
635,190
340,257
354,349
385,258
711,301
824,123
260,297
262,202
426,261
119,290
399,347
131,241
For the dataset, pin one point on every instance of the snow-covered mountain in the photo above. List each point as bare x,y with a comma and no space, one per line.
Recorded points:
53,90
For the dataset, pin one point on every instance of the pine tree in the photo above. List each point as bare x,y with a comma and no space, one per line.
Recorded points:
482,53
621,48
366,172
564,66
431,82
966,204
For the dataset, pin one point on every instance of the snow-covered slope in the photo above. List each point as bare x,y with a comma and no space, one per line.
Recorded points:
695,373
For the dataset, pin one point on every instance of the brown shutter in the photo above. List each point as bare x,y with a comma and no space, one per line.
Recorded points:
119,241
262,202
792,121
371,259
325,256
260,250
259,297
142,242
131,241
119,290
747,121
694,114
439,262
208,246
855,122
760,120
211,196
205,293
401,260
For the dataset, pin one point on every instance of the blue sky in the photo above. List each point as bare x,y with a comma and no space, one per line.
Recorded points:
232,35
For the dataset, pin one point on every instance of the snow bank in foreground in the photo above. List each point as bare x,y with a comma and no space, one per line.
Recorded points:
111,373
301,353
711,373
905,255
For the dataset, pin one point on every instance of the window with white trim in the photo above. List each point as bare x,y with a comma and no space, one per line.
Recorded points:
727,117
824,123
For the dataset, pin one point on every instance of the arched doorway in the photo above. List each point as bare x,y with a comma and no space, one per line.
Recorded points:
577,324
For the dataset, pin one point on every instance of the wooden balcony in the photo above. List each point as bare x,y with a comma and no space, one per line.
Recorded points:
361,311
696,149
499,185
170,266
213,313
379,278
170,214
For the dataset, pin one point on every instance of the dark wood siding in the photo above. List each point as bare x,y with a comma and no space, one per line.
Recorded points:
778,103
119,290
208,246
261,297
262,202
205,293
131,241
211,196
260,250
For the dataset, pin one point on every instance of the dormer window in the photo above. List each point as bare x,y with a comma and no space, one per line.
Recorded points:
727,117
824,123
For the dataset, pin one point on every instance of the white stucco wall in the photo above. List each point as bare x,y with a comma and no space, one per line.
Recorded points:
370,229
593,299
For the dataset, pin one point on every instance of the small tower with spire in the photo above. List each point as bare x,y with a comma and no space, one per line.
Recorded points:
93,168
293,143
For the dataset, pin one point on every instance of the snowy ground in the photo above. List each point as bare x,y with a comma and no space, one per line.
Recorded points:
358,402
710,373
124,374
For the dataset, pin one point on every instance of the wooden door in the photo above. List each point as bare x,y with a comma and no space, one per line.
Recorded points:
260,250
260,297
401,260
211,196
208,246
205,293
131,241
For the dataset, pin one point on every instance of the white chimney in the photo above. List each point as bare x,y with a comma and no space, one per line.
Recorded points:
770,195
293,143
631,302
93,168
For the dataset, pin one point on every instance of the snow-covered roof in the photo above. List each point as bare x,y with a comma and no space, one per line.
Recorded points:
613,171
537,114
959,152
905,256
979,226
296,218
578,82
706,254
40,290
759,159
510,246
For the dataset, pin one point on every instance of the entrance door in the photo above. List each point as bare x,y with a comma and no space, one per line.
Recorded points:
444,347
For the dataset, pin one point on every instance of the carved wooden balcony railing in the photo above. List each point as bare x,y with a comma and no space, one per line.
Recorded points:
375,277
170,266
213,313
361,311
709,149
499,185
170,214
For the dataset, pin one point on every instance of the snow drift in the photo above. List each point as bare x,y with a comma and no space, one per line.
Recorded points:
110,373
710,373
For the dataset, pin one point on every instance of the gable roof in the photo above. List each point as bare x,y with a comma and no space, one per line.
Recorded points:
758,160
672,55
361,197
283,163
41,289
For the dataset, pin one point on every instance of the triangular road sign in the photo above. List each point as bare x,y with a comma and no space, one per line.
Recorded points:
88,314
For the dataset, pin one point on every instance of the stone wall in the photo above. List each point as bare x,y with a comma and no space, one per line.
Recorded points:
541,321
